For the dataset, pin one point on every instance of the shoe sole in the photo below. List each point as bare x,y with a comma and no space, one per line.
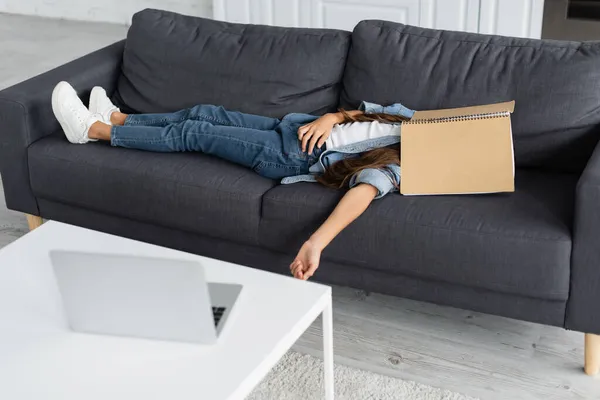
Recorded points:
56,107
93,106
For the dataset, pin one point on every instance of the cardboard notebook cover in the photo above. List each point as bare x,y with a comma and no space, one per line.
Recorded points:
458,151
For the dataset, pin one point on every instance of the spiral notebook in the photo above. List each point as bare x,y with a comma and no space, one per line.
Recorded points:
458,151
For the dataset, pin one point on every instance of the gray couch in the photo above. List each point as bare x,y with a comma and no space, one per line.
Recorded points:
531,255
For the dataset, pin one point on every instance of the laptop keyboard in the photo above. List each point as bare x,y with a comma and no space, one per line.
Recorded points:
218,314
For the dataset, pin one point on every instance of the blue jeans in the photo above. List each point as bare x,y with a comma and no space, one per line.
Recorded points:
269,146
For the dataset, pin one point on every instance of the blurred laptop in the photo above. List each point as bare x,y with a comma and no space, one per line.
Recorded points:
144,297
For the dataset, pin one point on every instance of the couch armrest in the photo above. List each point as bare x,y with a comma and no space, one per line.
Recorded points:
582,310
26,116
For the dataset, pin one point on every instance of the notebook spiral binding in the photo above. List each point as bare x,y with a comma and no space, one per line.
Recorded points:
471,117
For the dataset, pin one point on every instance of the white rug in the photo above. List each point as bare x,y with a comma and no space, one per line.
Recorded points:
300,377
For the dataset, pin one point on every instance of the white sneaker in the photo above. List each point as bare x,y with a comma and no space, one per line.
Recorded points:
73,116
101,105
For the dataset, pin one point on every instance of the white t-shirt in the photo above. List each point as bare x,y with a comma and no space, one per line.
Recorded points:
345,134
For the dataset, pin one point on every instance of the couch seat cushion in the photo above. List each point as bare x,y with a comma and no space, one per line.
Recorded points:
190,191
517,243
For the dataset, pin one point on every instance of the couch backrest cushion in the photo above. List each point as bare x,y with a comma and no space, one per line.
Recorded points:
556,85
173,61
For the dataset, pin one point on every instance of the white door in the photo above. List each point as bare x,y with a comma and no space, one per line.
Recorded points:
501,17
346,14
522,18
460,15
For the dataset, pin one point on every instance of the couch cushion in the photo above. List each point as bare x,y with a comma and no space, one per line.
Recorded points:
517,243
556,85
188,191
173,61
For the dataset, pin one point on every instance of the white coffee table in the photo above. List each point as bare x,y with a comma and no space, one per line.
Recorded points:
40,358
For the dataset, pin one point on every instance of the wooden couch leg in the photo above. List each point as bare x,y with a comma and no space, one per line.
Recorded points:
592,354
34,221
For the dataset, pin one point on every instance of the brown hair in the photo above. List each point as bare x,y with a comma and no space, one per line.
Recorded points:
379,117
338,175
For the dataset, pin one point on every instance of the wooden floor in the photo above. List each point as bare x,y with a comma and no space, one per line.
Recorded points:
479,355
476,354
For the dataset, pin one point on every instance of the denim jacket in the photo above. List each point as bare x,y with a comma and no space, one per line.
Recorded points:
385,180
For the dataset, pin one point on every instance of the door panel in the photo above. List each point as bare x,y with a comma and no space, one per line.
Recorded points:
503,17
345,14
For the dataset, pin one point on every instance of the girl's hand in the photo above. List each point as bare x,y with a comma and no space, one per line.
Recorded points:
352,205
317,132
307,261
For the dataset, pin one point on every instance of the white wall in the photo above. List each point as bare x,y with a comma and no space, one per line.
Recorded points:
117,11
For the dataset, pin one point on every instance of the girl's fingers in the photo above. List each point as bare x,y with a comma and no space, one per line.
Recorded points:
300,271
297,264
306,138
313,142
312,267
322,141
302,130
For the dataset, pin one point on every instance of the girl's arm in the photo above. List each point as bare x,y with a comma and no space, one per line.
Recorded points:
352,205
338,117
317,132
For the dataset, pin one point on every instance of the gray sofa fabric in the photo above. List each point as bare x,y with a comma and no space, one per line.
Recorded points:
554,84
532,255
188,191
173,61
585,262
512,306
26,116
518,243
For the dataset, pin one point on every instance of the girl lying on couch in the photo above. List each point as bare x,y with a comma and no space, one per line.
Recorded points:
348,149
